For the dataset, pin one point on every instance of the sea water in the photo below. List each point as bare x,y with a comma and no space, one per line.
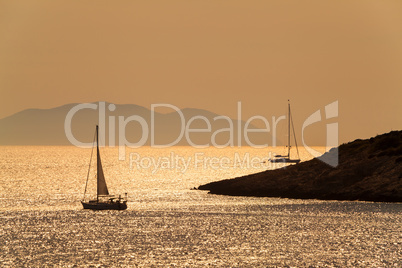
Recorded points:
168,224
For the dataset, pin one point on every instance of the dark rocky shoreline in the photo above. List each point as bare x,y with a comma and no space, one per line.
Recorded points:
368,170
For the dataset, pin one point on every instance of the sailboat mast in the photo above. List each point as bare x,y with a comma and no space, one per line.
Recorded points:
97,164
97,137
288,129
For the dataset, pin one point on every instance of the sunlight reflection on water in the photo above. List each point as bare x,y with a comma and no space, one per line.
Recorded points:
168,224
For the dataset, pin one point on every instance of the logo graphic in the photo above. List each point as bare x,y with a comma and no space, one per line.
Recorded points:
331,111
116,128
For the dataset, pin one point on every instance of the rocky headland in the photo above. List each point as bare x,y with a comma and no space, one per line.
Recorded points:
368,170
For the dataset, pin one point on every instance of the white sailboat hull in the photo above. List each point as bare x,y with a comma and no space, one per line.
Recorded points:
284,160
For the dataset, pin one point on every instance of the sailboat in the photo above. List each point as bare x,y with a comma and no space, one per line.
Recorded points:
103,200
286,158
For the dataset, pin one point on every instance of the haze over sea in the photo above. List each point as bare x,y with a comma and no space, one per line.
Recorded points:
167,224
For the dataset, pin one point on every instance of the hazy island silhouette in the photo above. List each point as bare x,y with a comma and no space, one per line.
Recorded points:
368,170
47,126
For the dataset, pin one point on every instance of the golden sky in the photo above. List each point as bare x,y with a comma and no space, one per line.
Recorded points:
208,54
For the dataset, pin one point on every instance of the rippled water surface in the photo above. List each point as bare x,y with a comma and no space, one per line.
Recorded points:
167,224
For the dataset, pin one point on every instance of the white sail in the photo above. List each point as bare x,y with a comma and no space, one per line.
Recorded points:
102,187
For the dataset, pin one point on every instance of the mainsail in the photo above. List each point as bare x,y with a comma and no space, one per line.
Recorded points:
102,187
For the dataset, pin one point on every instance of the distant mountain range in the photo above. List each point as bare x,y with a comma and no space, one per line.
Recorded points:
47,126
